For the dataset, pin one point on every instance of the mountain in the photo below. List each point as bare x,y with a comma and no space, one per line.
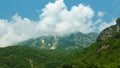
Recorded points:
72,41
110,31
104,53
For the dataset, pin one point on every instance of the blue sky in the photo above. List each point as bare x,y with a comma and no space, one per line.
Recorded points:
25,8
111,8
25,19
32,8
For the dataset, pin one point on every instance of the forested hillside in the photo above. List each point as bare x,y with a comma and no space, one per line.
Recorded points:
104,53
24,57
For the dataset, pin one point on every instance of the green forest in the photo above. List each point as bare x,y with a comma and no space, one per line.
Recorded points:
101,54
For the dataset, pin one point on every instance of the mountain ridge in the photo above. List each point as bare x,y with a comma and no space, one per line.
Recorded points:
72,41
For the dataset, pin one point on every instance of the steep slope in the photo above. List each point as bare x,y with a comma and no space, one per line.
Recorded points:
104,53
110,31
72,41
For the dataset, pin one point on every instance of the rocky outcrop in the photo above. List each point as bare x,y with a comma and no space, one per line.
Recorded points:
110,31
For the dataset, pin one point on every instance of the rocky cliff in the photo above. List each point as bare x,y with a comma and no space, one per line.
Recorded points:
110,31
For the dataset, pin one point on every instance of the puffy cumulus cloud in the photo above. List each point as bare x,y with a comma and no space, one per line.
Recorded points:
16,30
54,19
58,19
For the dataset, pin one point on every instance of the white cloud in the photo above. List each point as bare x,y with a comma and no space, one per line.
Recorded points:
55,19
16,30
106,24
101,25
100,14
58,19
